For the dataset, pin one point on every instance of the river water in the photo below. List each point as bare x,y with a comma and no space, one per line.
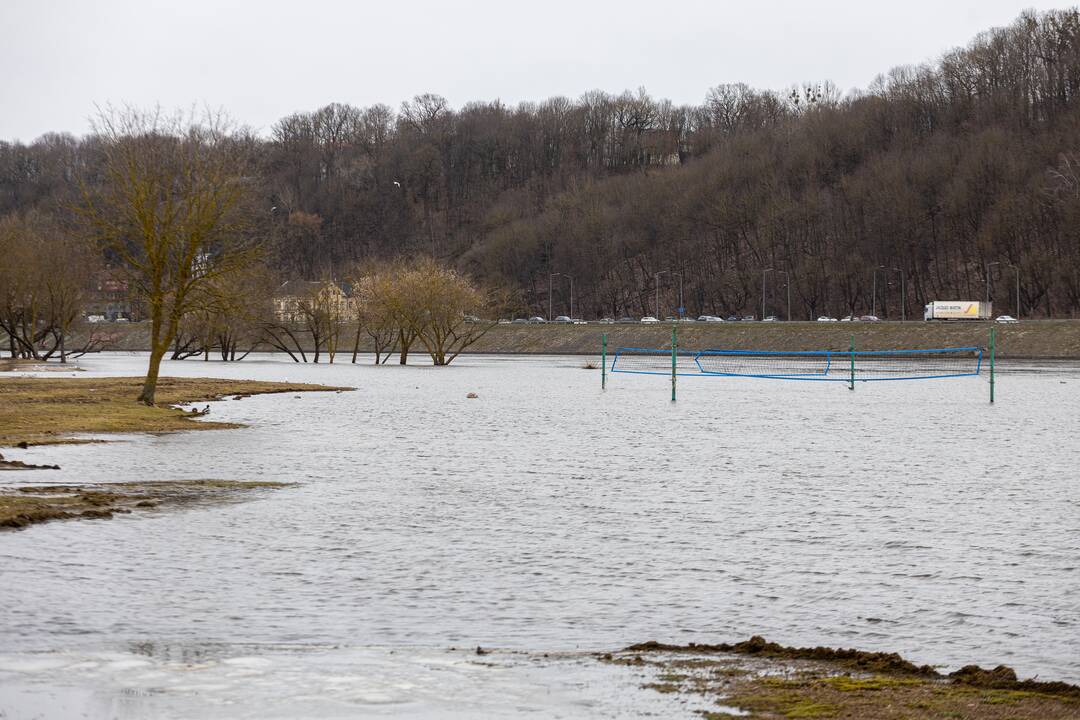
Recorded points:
543,517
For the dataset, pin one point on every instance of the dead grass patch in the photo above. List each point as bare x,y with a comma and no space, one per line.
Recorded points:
41,411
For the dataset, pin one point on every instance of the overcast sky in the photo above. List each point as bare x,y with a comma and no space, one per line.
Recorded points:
261,60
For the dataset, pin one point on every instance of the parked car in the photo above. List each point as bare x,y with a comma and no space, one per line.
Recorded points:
849,318
734,318
627,320
826,318
649,319
1006,319
869,318
671,318
606,321
472,319
504,322
749,318
537,320
520,321
769,318
714,318
579,321
562,319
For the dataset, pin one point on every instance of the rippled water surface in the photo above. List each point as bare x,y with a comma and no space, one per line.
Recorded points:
544,516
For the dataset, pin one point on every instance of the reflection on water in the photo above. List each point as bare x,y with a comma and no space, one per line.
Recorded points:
547,516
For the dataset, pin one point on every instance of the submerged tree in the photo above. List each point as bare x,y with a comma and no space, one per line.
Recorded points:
170,208
452,308
426,301
45,277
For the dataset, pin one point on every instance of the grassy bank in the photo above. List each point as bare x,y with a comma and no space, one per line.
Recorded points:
766,680
41,411
24,506
1049,339
1037,339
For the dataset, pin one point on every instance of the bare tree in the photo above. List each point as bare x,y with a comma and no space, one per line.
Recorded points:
170,207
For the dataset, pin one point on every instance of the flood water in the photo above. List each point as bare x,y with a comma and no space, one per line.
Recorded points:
545,516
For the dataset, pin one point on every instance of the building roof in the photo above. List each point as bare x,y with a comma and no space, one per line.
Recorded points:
297,288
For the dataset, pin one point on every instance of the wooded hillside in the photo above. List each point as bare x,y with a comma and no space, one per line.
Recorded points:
936,174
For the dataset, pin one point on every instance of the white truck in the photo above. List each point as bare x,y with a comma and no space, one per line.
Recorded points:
957,310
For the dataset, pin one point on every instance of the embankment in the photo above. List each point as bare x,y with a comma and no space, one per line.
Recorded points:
1032,339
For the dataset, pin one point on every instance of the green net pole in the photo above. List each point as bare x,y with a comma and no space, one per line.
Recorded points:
603,361
851,383
992,329
674,359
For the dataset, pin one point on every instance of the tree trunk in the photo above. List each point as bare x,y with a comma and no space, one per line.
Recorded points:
146,397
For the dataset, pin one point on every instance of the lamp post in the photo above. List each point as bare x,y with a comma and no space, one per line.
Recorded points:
903,295
988,266
873,299
787,279
656,278
763,272
1017,269
682,308
550,277
571,279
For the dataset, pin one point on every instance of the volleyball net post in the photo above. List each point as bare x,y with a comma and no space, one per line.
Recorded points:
603,361
674,358
851,382
992,338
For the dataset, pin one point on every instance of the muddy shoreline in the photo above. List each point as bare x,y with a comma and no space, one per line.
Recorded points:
50,410
759,679
23,506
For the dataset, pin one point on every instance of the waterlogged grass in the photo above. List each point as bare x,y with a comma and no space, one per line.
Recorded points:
880,698
847,683
39,411
21,507
766,680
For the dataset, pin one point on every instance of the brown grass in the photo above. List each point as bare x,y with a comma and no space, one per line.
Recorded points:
773,681
40,411
24,506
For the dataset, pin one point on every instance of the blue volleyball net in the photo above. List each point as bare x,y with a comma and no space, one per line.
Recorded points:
814,365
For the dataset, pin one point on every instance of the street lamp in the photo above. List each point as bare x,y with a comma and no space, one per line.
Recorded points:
656,278
571,279
988,266
873,297
1017,269
550,277
787,279
903,295
682,308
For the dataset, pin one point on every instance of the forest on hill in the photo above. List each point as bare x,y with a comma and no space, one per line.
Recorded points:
947,180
